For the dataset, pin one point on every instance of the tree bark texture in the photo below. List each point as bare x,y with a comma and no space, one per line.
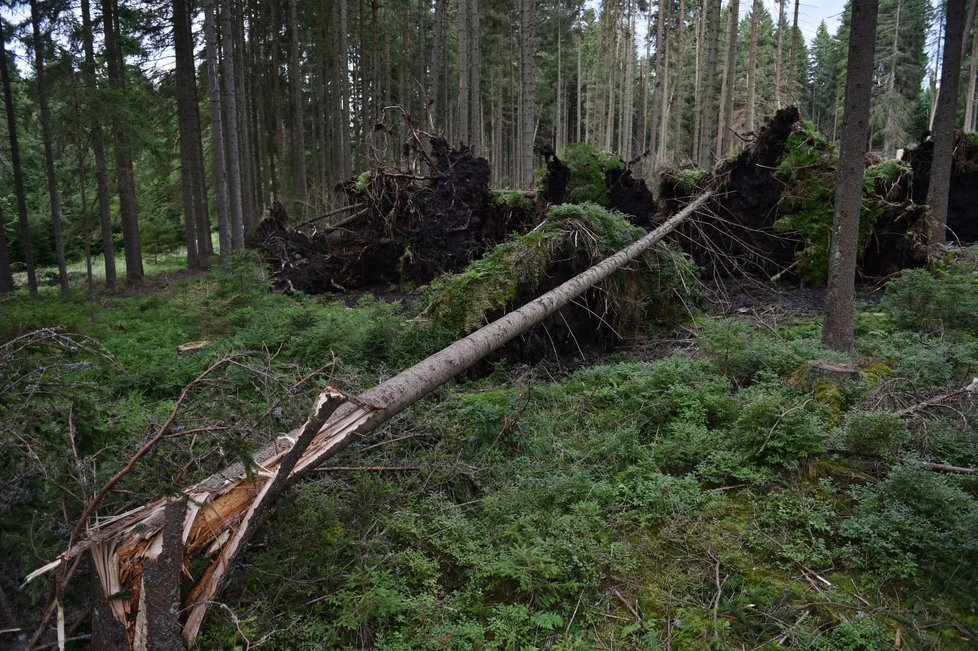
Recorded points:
837,330
708,104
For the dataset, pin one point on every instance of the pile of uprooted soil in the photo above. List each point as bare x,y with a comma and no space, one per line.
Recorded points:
406,228
962,209
740,231
736,233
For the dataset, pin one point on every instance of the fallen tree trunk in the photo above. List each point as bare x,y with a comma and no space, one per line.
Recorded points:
223,511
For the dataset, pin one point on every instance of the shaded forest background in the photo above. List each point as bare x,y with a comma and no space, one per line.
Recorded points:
171,121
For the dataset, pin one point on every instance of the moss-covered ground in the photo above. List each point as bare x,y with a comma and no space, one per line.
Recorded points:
698,498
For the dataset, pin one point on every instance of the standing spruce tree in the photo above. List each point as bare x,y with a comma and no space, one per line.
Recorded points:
42,98
940,169
837,330
98,148
27,248
125,177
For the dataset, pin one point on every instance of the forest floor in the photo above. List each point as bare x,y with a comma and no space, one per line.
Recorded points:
687,489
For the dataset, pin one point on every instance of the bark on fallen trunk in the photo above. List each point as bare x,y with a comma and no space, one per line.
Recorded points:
224,510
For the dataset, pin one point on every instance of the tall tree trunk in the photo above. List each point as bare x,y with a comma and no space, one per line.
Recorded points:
183,51
892,128
678,93
837,329
6,274
232,150
434,100
279,178
628,97
709,98
659,86
244,98
125,178
475,86
969,107
752,67
98,148
940,169
792,61
86,216
778,64
217,134
580,117
27,248
298,112
42,99
463,71
665,42
528,107
725,136
346,147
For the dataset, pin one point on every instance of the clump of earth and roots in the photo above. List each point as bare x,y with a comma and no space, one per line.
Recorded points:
673,461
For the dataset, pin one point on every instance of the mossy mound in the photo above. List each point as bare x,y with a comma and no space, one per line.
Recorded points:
572,238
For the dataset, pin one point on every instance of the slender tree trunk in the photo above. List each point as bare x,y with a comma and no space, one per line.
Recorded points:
940,169
793,47
724,138
676,110
86,217
6,273
248,207
709,99
475,89
778,65
298,113
344,89
666,44
434,100
837,330
463,71
528,108
279,179
628,97
27,248
42,99
98,149
123,154
659,85
969,110
752,67
183,51
217,134
232,149
580,117
892,129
